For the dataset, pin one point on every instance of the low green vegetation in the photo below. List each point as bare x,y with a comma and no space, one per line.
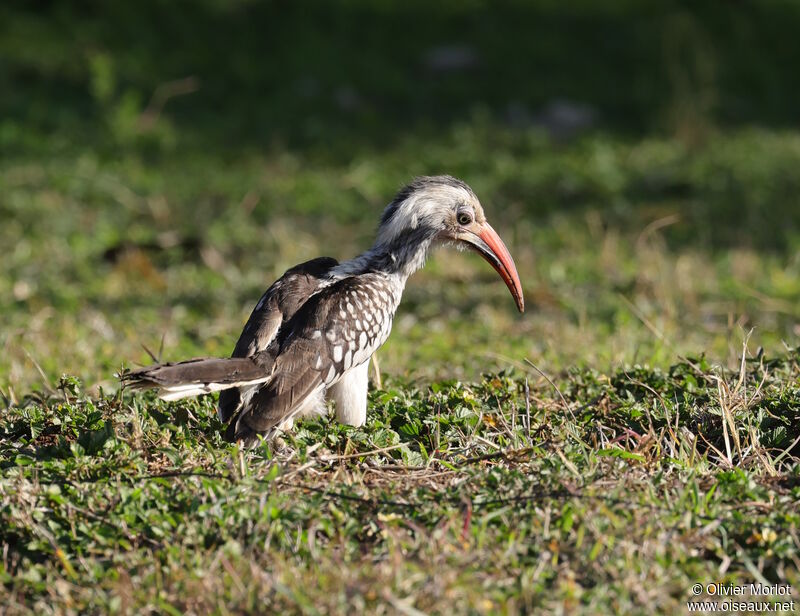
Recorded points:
605,491
635,432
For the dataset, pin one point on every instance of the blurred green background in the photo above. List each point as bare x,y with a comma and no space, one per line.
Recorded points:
162,162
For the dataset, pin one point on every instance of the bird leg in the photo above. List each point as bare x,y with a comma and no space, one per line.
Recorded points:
350,396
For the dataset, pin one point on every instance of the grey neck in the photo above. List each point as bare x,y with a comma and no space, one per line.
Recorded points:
400,257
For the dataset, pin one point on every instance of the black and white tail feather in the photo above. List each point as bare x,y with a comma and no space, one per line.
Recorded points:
195,377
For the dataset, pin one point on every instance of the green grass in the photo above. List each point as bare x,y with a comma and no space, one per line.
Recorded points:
470,497
601,453
652,473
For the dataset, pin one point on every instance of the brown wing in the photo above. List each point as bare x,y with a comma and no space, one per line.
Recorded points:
278,304
329,335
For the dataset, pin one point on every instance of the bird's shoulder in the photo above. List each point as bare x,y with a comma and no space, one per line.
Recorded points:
344,307
280,302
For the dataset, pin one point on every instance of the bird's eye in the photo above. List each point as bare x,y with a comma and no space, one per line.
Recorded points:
464,218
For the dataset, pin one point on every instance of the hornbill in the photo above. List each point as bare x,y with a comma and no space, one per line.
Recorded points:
312,333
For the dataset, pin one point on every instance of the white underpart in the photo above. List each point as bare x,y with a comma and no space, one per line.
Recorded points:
314,404
246,395
190,390
349,394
